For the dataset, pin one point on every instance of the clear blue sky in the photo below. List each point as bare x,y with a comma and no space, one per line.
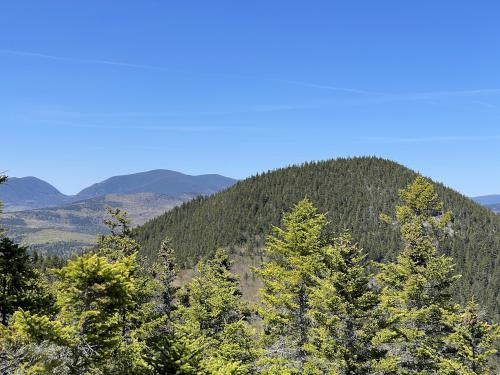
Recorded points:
90,89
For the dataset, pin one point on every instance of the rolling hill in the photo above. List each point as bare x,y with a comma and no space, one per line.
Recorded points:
353,192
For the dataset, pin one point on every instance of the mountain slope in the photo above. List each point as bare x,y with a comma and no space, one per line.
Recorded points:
353,192
28,193
157,181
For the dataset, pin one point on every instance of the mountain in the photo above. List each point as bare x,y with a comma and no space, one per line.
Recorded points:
29,192
158,181
495,207
487,199
59,230
353,192
490,201
38,215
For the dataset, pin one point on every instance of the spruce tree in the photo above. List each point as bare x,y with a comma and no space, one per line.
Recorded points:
471,344
295,260
343,311
415,298
21,285
212,317
106,317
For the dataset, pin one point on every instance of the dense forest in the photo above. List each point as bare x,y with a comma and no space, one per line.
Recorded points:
324,307
353,192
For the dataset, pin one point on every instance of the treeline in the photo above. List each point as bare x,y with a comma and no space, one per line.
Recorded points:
352,192
324,308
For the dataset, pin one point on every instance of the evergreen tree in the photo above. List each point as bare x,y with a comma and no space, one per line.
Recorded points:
107,315
212,316
2,180
21,285
472,344
415,298
164,271
295,260
342,308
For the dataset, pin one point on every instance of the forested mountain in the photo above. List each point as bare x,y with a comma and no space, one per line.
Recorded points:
158,181
353,193
30,192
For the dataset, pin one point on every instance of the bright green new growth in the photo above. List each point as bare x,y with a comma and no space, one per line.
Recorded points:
212,316
415,298
295,254
342,309
471,344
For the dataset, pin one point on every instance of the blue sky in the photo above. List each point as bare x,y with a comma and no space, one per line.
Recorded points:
91,89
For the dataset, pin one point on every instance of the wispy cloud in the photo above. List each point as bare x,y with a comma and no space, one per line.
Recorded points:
165,127
355,96
473,138
163,68
79,60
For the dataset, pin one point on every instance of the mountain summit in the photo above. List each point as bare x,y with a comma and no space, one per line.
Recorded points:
161,181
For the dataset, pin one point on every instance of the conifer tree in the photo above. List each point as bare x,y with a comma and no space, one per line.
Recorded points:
471,343
212,316
106,318
164,271
342,308
21,285
415,298
295,260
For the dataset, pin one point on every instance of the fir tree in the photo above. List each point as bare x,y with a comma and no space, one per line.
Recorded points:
212,316
415,298
342,308
164,271
472,344
21,285
295,260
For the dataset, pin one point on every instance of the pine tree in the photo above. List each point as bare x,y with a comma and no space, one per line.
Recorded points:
342,308
471,344
212,316
415,298
295,259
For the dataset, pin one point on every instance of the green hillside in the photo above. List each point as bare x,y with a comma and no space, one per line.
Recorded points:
353,192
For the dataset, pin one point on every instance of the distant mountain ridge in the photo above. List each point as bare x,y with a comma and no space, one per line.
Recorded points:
157,181
491,201
26,193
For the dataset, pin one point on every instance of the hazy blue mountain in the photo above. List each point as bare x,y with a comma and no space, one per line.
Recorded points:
39,215
495,207
487,199
158,181
491,201
28,193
